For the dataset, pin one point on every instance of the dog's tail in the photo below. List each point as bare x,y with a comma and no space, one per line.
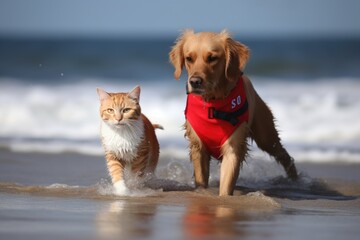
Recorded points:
158,126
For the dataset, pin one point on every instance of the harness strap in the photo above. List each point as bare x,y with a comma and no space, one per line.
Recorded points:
231,117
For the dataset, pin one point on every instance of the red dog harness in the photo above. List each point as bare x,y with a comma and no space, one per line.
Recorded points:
214,121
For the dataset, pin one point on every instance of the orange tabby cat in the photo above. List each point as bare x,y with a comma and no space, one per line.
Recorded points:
128,137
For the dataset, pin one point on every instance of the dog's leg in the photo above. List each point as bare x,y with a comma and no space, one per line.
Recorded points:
264,133
201,162
234,151
199,156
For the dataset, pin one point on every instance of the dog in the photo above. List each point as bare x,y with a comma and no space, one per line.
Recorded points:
223,109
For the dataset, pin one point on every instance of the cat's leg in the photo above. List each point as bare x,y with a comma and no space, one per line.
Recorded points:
116,168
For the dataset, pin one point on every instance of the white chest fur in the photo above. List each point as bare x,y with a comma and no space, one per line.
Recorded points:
124,140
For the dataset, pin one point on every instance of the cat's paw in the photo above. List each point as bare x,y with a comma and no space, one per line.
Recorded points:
121,189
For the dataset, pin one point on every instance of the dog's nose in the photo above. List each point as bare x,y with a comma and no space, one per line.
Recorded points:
195,82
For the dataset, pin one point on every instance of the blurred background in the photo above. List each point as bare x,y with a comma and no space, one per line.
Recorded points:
305,58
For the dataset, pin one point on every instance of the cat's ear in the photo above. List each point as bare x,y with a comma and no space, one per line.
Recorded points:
102,94
135,94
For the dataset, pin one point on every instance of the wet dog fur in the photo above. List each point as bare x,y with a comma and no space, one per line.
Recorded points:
214,62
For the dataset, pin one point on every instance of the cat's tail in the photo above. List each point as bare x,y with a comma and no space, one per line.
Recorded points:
158,126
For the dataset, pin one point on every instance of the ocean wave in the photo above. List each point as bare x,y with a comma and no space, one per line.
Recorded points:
318,120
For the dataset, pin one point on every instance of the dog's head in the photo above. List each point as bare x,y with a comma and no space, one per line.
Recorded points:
213,61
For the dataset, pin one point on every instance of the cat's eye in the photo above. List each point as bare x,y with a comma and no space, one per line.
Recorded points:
110,110
125,110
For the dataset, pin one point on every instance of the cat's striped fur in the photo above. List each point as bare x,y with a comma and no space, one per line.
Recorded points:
128,137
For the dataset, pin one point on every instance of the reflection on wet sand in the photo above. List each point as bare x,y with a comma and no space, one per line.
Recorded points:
196,215
202,220
123,220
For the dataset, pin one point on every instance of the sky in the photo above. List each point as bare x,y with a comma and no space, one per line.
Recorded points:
104,18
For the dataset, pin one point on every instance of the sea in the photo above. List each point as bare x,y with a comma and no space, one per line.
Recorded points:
48,100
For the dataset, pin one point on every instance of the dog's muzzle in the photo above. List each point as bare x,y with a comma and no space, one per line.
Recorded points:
196,82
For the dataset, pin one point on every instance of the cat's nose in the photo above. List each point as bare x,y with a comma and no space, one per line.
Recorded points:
118,117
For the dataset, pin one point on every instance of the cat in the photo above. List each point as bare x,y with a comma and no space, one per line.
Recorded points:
128,137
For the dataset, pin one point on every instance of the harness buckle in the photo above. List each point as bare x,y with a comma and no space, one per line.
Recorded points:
211,113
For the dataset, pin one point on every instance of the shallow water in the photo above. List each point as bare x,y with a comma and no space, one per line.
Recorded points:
69,196
42,217
37,217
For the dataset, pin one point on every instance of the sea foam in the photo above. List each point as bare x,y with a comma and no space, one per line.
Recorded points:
318,120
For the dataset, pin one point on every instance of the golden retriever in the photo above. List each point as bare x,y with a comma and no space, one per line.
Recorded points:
214,63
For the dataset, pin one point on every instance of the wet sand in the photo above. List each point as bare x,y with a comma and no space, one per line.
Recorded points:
66,196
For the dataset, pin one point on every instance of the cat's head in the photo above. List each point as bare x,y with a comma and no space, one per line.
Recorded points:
119,109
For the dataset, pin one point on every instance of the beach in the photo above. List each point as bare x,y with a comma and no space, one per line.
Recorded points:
68,196
53,178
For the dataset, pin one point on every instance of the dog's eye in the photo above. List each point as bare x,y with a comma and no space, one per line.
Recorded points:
211,58
189,59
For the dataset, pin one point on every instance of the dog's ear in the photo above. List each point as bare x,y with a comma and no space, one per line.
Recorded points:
176,54
236,56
